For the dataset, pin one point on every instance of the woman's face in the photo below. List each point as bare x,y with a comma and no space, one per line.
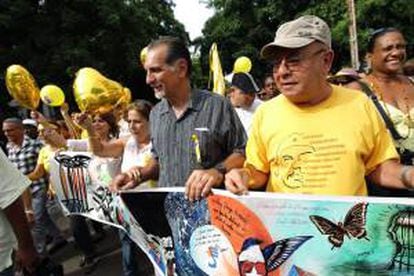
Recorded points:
389,53
47,134
100,126
137,124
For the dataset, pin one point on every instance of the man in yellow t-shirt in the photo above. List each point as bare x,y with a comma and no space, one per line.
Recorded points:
315,138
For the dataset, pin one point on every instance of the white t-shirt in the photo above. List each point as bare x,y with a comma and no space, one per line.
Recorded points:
134,156
246,114
123,129
12,185
101,169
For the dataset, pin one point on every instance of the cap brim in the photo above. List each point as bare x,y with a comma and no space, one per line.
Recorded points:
270,50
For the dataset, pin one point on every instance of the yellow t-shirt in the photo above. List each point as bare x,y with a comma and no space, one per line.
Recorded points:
324,149
45,154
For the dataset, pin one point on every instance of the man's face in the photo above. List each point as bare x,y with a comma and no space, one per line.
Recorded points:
237,97
269,89
162,77
300,72
389,53
13,132
31,131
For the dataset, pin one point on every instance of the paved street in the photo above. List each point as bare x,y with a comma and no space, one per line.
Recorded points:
110,257
108,249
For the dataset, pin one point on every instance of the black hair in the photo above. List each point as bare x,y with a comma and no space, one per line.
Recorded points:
377,34
266,76
176,49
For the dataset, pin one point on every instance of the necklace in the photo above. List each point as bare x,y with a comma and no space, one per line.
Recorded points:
408,121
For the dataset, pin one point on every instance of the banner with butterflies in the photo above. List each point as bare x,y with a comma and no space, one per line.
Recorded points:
257,234
79,195
271,234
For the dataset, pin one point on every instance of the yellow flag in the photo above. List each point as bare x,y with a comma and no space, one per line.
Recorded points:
215,69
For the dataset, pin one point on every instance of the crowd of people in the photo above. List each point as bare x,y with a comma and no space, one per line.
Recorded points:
301,133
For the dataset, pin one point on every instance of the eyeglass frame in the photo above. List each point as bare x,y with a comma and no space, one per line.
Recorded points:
301,57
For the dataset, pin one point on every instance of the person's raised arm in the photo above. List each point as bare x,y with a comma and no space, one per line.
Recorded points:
74,130
97,145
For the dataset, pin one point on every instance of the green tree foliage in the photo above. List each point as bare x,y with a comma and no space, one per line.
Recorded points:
53,39
242,27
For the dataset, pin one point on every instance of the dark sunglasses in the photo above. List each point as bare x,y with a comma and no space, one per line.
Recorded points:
383,31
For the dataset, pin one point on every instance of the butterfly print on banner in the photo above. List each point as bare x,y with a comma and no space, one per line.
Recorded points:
353,225
270,258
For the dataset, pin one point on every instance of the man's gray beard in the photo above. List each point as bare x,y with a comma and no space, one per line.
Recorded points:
158,95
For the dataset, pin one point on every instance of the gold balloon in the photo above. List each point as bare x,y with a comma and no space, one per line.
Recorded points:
22,86
96,93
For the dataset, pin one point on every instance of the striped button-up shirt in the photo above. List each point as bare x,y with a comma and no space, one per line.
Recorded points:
25,159
205,135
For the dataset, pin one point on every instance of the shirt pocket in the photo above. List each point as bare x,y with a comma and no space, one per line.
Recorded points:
209,146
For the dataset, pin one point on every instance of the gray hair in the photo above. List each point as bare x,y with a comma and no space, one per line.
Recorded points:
14,120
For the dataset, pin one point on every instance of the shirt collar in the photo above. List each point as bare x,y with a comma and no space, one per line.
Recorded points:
194,103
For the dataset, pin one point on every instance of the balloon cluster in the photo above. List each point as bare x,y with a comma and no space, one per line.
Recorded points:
93,92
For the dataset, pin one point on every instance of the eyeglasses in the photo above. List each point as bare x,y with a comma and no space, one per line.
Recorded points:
294,59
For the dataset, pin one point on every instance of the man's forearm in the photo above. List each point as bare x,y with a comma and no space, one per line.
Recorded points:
27,199
392,174
17,218
234,161
257,180
151,171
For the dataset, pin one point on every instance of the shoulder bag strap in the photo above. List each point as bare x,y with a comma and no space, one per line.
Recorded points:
387,120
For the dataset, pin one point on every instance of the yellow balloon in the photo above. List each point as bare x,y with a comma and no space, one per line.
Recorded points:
143,55
242,65
52,95
22,86
96,93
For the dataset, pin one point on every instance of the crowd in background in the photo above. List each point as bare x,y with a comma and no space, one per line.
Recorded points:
201,140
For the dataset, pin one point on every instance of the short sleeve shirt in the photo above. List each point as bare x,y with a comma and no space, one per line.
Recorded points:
205,135
25,159
324,149
12,185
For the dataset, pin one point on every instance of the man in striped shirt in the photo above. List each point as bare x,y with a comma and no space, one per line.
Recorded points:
23,153
196,135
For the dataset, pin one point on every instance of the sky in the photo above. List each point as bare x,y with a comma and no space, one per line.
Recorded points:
193,15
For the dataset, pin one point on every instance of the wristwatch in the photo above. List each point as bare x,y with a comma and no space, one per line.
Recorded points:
221,168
